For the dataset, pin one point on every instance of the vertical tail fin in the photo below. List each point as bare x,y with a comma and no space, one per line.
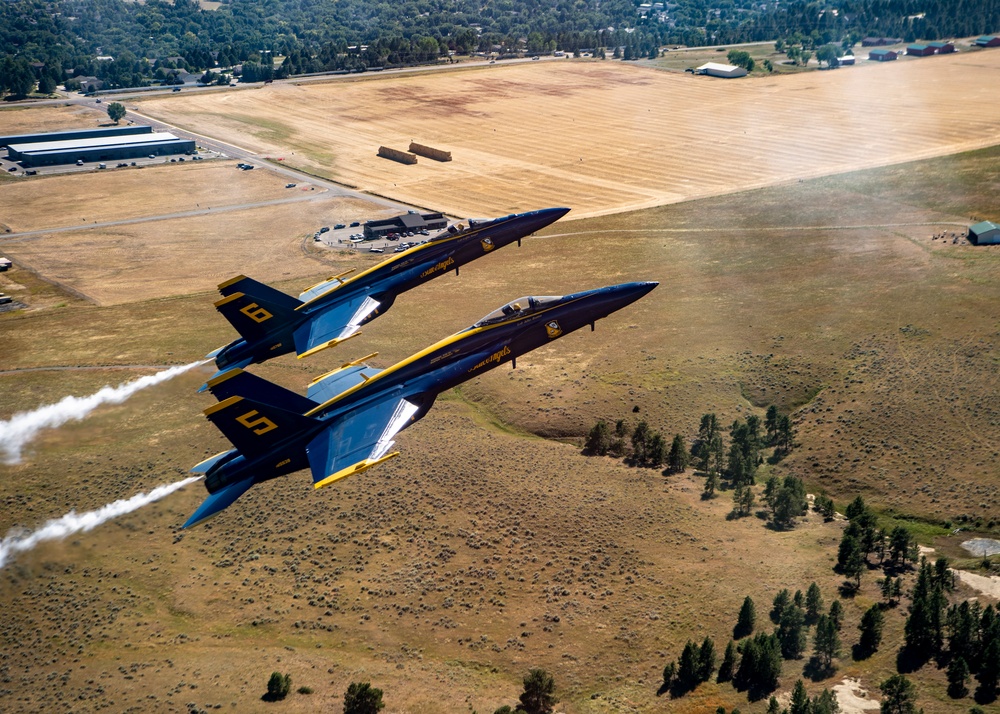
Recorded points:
236,382
255,309
254,427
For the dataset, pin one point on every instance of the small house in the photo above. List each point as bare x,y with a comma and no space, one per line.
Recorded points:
919,50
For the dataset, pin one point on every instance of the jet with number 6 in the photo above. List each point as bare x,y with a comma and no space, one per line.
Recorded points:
272,323
347,421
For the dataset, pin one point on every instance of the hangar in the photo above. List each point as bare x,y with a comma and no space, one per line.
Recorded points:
714,69
102,148
74,134
984,233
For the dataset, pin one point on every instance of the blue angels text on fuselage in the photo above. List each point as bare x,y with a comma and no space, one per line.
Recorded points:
272,323
347,421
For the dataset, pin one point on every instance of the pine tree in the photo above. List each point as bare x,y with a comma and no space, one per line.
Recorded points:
800,699
746,620
728,666
781,601
837,614
958,678
826,644
706,660
814,603
598,440
791,632
688,670
871,630
825,703
538,696
668,675
362,698
899,696
677,460
989,670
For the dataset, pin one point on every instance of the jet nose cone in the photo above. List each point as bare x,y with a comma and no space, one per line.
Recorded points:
537,220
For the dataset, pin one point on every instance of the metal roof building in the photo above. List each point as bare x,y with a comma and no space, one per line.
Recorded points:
404,223
74,134
985,233
715,69
881,55
988,41
103,148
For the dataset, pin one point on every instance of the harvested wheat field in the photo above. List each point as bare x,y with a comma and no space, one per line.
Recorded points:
602,136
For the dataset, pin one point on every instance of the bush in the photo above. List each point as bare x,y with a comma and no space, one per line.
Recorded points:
278,687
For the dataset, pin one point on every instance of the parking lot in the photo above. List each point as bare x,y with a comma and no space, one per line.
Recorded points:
13,168
350,236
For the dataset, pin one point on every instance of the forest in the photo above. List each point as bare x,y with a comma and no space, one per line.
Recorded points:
57,39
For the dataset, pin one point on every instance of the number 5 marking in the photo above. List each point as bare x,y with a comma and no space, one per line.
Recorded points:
263,422
256,313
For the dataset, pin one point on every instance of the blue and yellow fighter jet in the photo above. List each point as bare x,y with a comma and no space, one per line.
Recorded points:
272,323
348,419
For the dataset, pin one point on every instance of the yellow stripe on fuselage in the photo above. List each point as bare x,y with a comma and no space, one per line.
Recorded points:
457,337
393,259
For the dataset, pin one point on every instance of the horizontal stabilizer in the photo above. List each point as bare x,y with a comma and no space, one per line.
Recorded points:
242,363
218,501
339,381
236,382
207,464
333,325
359,441
254,427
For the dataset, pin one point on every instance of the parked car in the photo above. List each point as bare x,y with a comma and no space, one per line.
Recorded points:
355,224
289,185
324,229
373,249
339,226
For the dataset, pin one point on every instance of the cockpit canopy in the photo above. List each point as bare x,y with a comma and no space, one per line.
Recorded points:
518,308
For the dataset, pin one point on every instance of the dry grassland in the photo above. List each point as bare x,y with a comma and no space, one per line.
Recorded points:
28,119
185,255
56,201
602,137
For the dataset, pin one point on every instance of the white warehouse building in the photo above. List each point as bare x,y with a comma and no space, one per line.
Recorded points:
715,69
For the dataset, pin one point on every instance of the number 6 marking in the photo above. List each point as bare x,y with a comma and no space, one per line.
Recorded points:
263,422
256,313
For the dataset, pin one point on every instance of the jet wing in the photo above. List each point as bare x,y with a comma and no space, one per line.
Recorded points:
359,441
333,325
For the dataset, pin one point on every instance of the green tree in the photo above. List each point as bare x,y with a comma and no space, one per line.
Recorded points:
278,687
656,451
837,614
598,440
814,603
640,437
706,660
677,461
688,670
899,696
668,675
741,58
771,424
539,693
781,601
728,666
989,669
871,631
958,678
746,620
116,111
711,484
826,644
825,703
791,632
828,54
505,709
362,698
46,85
799,703
789,502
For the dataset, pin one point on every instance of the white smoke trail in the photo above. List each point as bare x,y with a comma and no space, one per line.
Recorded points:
19,541
21,428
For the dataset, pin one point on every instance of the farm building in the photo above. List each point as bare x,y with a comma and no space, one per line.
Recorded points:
942,48
877,41
847,59
882,55
714,69
103,148
919,50
73,135
984,233
988,41
406,223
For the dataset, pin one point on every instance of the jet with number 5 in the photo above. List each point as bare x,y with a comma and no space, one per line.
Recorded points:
347,421
272,323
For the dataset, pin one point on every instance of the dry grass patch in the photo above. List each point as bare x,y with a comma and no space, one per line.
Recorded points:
29,119
601,136
184,255
122,194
